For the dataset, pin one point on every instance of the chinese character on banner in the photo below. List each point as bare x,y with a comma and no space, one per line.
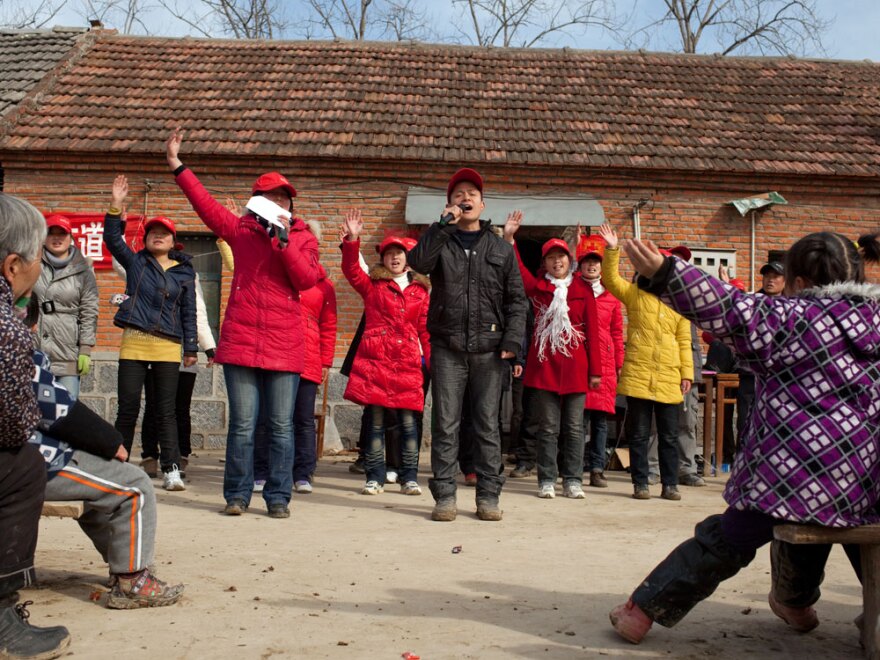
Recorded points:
87,230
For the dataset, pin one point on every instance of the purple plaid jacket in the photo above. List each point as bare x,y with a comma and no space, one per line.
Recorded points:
811,449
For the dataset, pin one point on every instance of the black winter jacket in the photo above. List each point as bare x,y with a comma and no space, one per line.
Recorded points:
160,302
478,303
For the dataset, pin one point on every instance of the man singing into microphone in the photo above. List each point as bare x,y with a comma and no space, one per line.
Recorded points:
476,320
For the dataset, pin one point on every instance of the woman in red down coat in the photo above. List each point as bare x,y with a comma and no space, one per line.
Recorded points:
387,369
600,403
562,363
261,342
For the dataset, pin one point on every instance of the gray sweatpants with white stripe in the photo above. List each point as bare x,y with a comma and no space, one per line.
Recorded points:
119,514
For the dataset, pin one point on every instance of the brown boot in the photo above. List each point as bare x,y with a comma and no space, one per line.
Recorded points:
151,467
444,510
597,479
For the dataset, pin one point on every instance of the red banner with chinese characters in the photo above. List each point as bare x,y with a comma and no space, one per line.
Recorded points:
87,230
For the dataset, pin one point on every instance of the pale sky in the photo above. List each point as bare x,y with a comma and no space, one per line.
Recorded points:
853,34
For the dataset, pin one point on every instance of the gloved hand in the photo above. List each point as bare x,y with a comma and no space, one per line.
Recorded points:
83,365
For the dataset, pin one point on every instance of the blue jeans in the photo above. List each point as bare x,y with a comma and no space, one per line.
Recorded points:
247,388
560,429
374,461
598,424
71,384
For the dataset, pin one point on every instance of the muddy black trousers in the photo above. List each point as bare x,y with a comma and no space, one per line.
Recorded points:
22,489
721,546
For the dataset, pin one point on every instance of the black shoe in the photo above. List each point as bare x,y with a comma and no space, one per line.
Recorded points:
279,510
670,493
235,508
19,639
521,471
357,467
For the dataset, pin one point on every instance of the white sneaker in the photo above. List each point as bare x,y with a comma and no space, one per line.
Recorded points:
372,488
573,490
259,484
547,490
303,487
173,480
411,488
391,477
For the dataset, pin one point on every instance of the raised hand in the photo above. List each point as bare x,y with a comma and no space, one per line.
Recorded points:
608,233
724,273
119,192
352,225
645,256
514,221
232,207
172,148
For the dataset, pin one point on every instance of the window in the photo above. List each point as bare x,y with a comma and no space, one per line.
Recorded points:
206,261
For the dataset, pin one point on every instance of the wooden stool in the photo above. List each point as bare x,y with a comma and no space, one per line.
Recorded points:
62,509
867,537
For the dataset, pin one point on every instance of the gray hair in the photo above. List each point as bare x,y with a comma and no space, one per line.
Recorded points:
22,229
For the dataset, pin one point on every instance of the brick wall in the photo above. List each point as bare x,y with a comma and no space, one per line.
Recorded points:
684,208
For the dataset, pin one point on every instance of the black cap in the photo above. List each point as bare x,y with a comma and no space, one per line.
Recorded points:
775,266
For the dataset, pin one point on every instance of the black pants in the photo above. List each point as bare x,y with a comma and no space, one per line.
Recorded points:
721,546
186,383
22,489
525,448
132,374
638,430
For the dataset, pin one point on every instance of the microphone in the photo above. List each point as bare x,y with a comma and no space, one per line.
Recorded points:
449,217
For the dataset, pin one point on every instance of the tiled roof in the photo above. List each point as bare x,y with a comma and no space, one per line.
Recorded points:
25,59
464,104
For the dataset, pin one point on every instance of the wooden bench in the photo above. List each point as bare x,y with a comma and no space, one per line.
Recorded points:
62,509
867,537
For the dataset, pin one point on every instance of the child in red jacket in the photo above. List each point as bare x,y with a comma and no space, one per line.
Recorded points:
387,369
562,363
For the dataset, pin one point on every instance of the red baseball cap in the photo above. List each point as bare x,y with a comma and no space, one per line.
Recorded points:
464,174
590,245
58,221
271,181
738,283
682,251
555,244
160,220
395,241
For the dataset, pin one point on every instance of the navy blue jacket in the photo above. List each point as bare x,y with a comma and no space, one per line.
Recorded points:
160,302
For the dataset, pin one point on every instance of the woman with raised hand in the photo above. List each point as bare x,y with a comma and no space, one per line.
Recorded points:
158,315
261,340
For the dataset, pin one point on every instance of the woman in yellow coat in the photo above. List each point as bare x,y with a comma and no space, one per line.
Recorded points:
658,369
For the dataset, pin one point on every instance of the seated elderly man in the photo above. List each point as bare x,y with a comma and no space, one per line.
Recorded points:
22,469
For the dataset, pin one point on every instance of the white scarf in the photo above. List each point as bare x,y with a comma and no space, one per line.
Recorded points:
553,325
598,289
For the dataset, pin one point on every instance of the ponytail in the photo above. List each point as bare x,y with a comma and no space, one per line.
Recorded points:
869,246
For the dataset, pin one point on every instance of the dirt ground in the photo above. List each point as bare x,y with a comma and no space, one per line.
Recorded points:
352,576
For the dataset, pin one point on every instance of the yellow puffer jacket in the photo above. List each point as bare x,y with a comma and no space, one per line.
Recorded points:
658,340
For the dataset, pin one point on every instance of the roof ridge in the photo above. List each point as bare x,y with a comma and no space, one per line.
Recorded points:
416,44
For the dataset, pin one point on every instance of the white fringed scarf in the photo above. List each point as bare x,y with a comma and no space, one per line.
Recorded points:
553,326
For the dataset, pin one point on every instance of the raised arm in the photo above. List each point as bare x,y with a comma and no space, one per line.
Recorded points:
113,236
217,217
611,279
352,226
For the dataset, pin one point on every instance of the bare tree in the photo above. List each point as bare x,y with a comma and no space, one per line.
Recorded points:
33,15
366,19
778,27
242,19
529,23
127,16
